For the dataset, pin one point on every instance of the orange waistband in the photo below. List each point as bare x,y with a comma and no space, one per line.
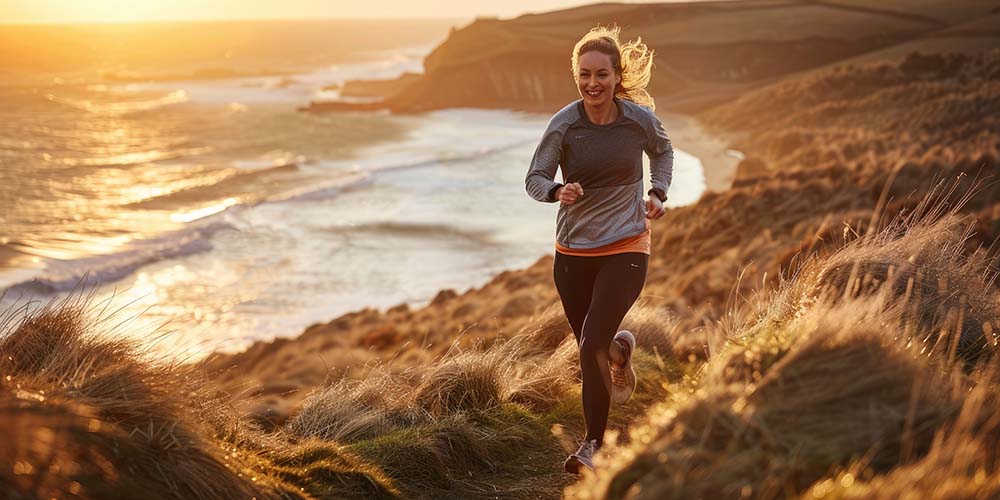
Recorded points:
638,243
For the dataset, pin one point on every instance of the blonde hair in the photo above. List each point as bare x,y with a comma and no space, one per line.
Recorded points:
632,60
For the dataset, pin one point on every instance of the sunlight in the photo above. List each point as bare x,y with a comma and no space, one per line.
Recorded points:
204,212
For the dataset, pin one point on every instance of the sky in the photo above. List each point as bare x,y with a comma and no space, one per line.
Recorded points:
88,11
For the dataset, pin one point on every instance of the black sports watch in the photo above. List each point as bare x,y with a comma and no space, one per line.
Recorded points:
659,194
553,191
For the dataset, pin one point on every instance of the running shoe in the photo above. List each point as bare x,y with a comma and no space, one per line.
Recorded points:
623,377
584,457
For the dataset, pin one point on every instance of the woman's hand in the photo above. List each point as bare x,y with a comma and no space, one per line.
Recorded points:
568,194
654,208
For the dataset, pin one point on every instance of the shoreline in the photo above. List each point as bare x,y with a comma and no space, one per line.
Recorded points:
687,133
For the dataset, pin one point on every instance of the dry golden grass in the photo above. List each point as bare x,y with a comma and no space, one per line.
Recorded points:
89,415
855,361
470,381
961,462
656,331
475,422
351,410
58,355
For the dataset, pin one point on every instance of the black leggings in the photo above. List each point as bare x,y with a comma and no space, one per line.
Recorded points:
596,293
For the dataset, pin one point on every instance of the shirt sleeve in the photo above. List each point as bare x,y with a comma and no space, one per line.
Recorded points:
661,156
539,181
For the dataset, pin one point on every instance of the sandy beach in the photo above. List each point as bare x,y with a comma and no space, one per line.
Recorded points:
712,148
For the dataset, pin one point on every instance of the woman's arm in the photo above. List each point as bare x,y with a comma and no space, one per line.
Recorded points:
539,181
661,158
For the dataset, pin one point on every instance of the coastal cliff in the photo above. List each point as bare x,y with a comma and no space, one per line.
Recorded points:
706,52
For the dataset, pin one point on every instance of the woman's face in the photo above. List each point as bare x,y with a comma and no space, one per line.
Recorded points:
596,78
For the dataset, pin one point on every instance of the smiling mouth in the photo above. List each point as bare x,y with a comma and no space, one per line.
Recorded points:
594,93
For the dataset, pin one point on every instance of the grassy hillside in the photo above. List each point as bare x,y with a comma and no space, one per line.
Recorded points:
974,37
856,379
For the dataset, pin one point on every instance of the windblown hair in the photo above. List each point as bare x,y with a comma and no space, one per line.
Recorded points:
632,60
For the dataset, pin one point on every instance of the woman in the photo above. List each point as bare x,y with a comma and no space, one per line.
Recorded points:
602,227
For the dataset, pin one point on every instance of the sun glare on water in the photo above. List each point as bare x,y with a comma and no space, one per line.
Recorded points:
205,211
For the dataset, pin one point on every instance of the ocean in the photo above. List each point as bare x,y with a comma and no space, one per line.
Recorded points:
209,213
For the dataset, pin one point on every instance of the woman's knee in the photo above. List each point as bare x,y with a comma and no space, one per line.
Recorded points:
591,349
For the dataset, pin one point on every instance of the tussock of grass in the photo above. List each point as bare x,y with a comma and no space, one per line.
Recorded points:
52,448
836,396
143,408
470,381
318,469
656,331
98,419
919,263
353,410
547,330
961,462
432,456
550,381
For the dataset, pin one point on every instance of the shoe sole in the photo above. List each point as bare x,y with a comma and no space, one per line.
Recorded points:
573,465
622,396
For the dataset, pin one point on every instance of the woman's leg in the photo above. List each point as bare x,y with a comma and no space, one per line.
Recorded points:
617,285
574,278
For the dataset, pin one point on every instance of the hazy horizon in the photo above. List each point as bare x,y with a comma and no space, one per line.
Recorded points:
47,12
235,20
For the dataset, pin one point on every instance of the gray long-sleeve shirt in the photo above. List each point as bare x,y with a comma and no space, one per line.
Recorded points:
607,162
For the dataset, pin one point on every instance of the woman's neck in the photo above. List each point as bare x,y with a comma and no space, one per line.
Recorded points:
602,115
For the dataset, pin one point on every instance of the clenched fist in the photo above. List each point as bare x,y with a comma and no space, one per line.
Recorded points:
654,208
568,194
